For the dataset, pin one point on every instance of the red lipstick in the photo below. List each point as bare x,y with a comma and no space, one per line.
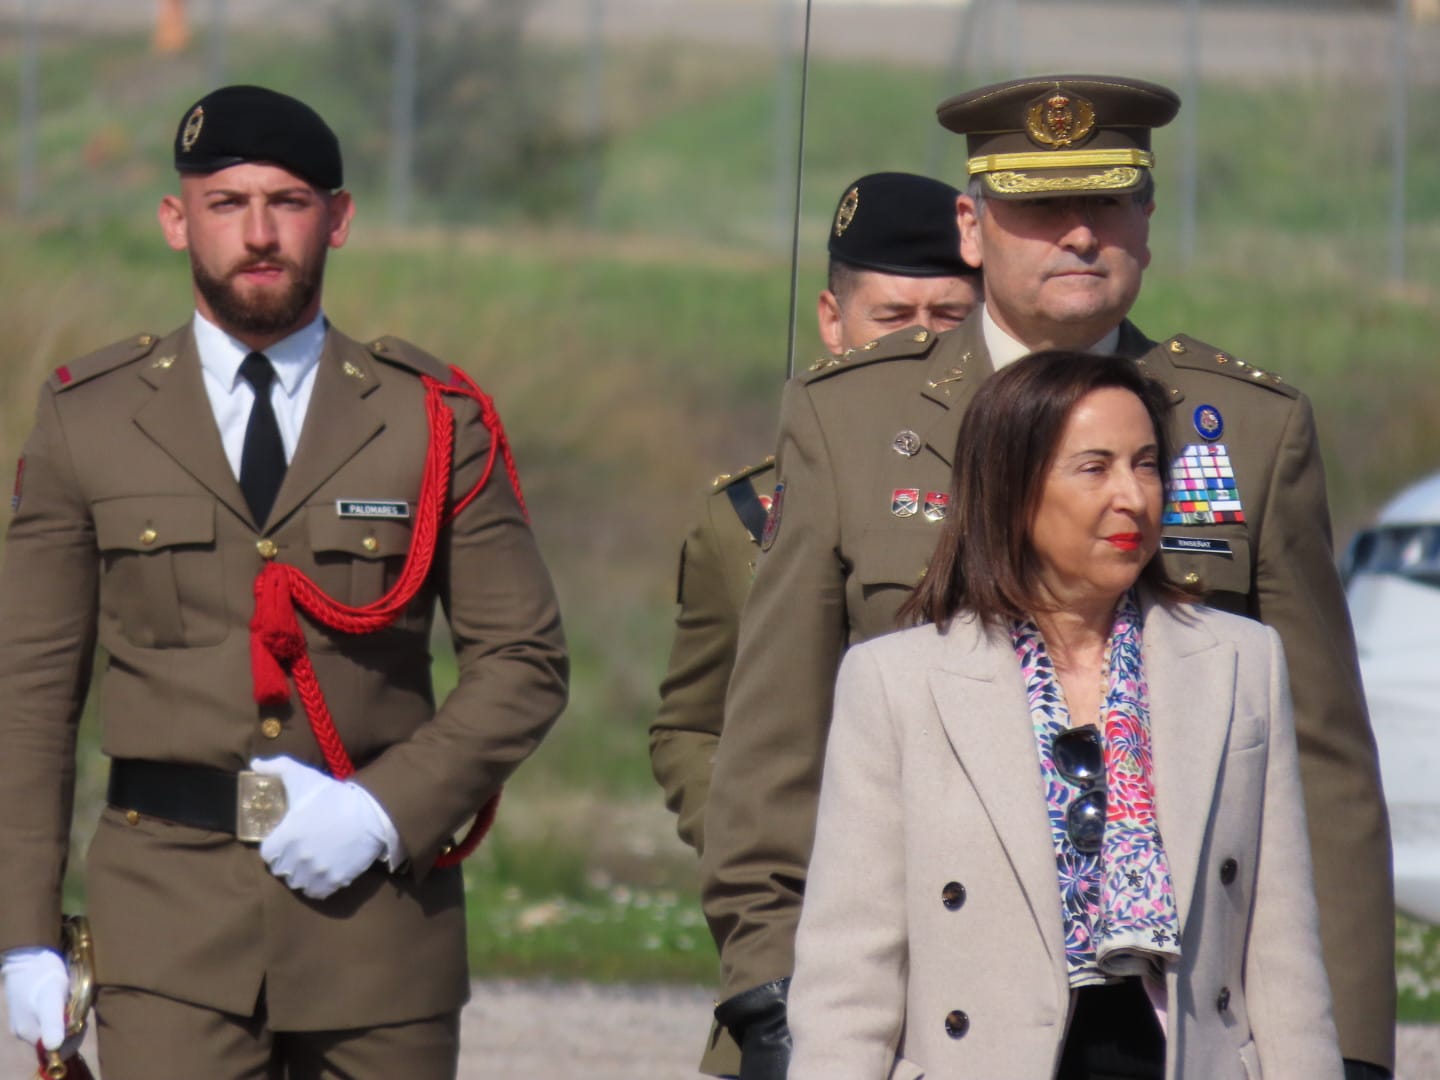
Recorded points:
1125,541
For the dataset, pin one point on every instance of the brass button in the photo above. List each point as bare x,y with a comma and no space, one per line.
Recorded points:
1192,578
148,536
145,339
921,336
370,544
1177,346
270,727
267,548
132,817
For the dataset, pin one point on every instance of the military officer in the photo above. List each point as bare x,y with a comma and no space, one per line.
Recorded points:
269,887
894,262
1056,214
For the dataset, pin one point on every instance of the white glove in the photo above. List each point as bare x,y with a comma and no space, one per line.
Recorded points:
332,832
37,988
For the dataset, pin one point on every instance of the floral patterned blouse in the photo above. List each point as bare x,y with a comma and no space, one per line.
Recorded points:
1117,904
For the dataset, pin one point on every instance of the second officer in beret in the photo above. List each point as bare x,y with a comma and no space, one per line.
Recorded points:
1057,216
894,262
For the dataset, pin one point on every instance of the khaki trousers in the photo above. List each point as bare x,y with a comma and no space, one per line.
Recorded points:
144,1036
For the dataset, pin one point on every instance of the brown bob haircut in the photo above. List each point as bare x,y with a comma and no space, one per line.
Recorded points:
984,563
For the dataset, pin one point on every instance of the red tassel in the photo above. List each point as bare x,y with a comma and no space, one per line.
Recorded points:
275,636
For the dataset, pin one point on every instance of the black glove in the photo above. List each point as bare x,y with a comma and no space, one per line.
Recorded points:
756,1020
1363,1070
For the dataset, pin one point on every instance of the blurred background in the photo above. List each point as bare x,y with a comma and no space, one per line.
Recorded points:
589,205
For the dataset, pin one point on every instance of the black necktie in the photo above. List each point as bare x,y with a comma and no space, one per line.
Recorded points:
262,462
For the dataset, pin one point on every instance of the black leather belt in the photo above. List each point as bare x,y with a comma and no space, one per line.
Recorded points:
246,805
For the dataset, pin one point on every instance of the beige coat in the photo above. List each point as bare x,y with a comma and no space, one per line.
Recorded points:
931,777
842,560
132,531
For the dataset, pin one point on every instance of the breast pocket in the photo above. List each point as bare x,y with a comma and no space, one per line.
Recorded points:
162,574
1215,562
358,560
888,564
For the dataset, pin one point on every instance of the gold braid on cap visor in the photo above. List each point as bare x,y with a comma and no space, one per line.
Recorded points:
1001,177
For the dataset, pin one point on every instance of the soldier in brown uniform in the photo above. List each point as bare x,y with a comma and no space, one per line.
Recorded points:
174,488
1056,215
894,262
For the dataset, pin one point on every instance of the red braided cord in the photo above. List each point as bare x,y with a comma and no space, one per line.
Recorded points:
277,641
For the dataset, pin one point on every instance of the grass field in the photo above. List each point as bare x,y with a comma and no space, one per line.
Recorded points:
634,357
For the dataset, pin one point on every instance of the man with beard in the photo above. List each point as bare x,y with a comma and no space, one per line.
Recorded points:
270,887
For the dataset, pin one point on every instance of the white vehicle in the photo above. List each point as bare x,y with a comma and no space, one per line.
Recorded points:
1392,573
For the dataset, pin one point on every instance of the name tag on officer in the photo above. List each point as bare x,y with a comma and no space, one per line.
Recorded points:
373,508
1196,545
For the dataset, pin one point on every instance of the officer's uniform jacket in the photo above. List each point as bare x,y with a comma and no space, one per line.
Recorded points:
840,560
131,531
717,565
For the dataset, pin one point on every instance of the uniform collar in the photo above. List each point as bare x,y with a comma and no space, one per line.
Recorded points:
1005,350
293,357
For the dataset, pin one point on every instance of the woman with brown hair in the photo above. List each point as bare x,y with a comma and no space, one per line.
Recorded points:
1060,830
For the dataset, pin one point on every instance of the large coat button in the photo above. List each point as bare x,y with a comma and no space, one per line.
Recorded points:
953,896
1228,870
1222,1003
956,1024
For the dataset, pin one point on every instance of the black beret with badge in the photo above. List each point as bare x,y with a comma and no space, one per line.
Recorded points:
899,223
1059,135
238,124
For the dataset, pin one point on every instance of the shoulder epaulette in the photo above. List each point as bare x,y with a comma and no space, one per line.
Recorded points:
912,343
102,360
724,480
399,351
1187,352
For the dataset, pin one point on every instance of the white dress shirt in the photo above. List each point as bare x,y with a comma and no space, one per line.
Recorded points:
1005,350
295,360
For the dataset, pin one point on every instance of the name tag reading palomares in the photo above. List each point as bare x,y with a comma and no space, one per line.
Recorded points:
1196,545
395,510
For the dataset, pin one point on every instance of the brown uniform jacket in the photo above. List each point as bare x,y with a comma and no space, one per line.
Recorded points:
717,565
841,561
131,530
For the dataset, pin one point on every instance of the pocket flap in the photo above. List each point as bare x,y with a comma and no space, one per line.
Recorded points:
364,538
154,522
1217,561
896,556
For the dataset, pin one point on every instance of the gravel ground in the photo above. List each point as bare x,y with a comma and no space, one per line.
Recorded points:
585,1032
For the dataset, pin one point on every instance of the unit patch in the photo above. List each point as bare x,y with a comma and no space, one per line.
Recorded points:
936,505
1203,490
772,518
394,510
904,502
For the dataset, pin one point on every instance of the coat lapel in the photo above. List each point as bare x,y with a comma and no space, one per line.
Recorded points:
983,709
179,419
957,367
338,422
1191,679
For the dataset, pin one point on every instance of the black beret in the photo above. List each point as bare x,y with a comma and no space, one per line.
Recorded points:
899,223
236,124
1056,135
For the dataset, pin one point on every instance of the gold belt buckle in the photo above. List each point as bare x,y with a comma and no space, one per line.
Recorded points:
259,805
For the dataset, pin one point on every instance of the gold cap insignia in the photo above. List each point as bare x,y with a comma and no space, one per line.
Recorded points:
193,123
846,213
1057,119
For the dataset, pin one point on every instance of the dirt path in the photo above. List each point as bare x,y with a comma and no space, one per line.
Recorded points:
576,1031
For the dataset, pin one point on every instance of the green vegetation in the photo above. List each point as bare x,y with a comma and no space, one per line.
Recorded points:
637,356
